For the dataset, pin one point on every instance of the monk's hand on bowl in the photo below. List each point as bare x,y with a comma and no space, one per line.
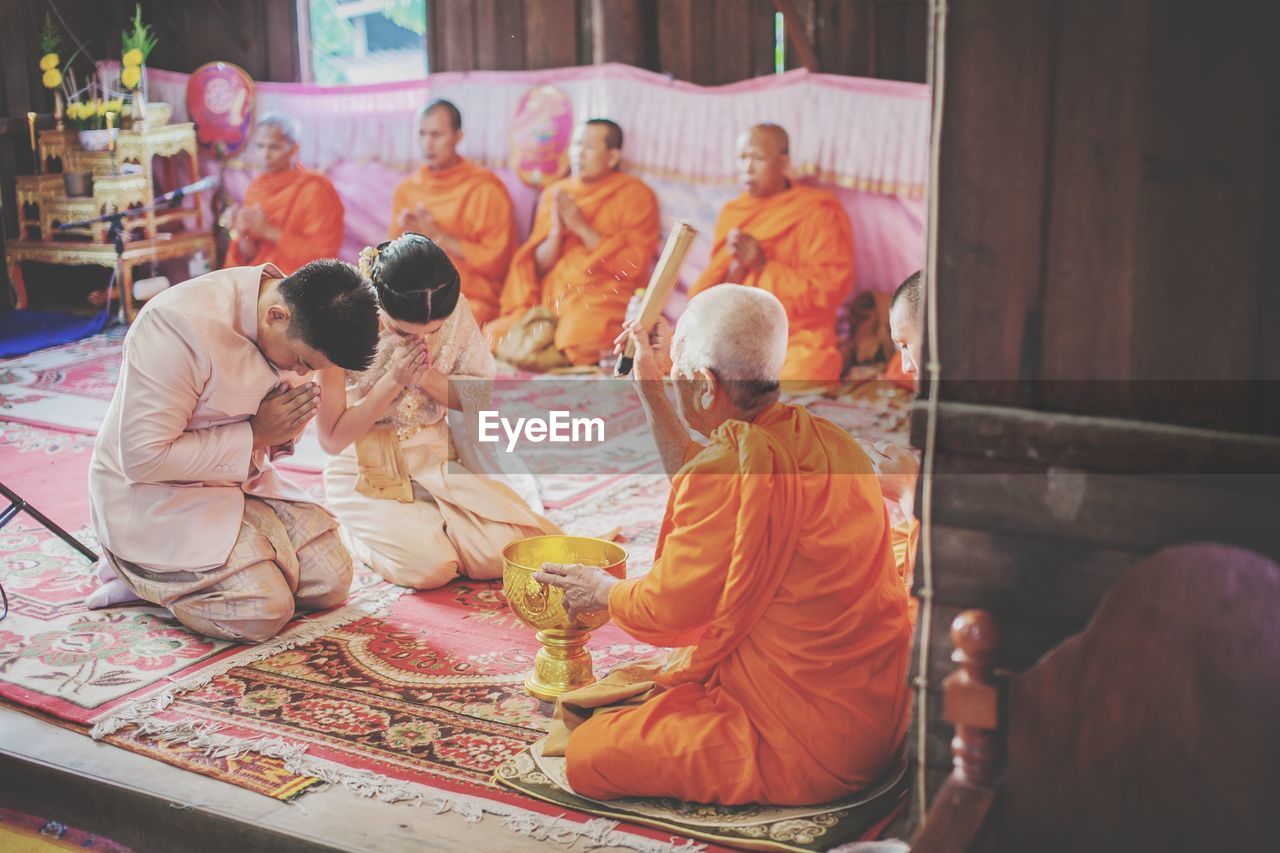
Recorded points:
586,589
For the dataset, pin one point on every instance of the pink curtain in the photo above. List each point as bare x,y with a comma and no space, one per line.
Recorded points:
867,140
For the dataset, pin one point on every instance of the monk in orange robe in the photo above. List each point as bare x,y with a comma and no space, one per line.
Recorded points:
290,215
594,236
463,207
774,569
792,241
898,466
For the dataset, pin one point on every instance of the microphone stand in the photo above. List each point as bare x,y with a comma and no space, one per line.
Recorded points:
17,505
116,230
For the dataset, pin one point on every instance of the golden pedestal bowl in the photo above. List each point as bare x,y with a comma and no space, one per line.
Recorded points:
562,664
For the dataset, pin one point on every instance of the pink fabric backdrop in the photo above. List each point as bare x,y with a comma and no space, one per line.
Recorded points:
866,140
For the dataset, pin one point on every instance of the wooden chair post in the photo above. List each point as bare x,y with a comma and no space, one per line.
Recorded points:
970,699
970,702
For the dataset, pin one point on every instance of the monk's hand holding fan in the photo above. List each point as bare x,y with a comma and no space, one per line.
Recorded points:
652,349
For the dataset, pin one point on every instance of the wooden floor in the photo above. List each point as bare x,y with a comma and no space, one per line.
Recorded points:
63,775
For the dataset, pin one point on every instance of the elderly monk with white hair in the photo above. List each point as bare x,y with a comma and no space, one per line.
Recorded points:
774,578
290,215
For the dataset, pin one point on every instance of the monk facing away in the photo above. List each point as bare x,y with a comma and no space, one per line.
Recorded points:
184,494
463,207
773,570
594,236
793,241
290,215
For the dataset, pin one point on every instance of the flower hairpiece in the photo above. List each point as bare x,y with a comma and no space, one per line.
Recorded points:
368,257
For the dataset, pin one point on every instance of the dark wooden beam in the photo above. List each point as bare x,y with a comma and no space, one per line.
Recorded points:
550,41
1102,445
618,31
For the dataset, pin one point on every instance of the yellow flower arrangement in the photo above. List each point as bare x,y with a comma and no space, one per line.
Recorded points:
91,115
137,44
50,42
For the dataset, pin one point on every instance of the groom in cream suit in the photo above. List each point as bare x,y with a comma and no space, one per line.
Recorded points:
184,494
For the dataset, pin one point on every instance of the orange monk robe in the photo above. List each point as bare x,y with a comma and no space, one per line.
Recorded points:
796,690
304,205
587,290
808,249
472,205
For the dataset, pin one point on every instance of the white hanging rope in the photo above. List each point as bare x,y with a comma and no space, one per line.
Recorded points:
934,370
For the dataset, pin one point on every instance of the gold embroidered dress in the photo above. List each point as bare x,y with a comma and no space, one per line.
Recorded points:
419,508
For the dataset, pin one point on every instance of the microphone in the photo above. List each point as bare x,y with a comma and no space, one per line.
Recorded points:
175,197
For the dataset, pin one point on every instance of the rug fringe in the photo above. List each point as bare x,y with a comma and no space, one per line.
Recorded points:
140,711
558,829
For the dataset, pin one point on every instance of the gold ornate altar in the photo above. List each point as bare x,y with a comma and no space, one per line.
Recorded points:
43,204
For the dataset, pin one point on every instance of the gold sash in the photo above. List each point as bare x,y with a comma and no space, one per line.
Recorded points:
384,474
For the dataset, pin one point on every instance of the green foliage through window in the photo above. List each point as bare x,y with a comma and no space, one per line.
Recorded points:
355,41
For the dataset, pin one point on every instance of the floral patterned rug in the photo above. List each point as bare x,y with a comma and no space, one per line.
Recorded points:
413,698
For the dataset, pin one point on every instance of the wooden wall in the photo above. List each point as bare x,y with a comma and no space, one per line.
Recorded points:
703,41
1107,290
708,42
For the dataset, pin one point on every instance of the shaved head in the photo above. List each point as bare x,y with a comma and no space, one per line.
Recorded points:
612,131
764,160
905,323
439,134
739,334
909,293
284,124
447,107
275,141
773,137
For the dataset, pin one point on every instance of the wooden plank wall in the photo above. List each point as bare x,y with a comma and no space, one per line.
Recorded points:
709,42
704,41
1107,288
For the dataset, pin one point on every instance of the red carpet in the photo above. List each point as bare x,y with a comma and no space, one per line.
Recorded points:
417,699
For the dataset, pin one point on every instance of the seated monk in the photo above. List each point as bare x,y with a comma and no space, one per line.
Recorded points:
896,465
773,568
793,241
290,215
464,207
183,491
594,237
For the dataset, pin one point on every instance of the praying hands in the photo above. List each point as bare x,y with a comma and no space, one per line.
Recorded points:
409,364
748,256
420,220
